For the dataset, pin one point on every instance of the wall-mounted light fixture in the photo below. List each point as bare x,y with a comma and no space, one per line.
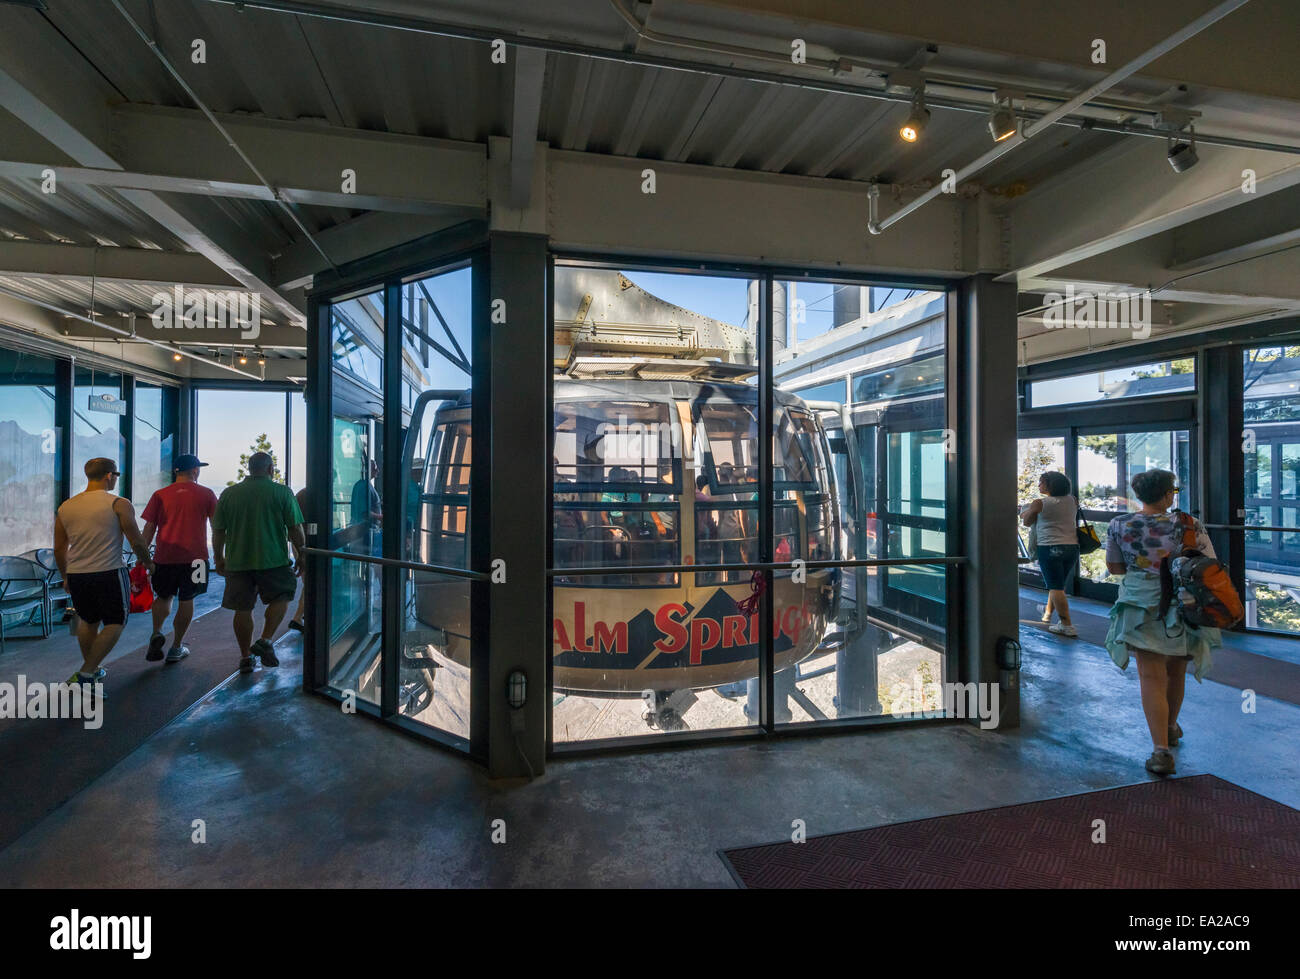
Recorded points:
1008,653
517,689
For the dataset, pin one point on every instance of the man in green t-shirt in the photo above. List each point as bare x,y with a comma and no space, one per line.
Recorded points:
254,519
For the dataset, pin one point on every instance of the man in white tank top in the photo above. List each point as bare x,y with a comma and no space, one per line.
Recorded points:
88,533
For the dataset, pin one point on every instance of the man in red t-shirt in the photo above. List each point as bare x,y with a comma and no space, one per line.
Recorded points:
179,513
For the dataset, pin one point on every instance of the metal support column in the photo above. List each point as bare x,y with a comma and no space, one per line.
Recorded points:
316,515
392,491
1222,460
519,373
986,333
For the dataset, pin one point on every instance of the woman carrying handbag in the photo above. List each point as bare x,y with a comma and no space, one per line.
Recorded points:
1053,516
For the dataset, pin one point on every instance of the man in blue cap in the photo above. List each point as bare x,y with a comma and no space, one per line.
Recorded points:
179,513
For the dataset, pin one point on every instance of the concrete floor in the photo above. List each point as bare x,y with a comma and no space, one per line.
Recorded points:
293,793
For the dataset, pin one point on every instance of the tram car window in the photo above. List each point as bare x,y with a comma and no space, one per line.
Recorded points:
617,469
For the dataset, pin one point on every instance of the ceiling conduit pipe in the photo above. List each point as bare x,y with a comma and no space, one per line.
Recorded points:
1025,132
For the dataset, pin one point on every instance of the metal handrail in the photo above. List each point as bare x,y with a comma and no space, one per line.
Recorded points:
1226,526
388,562
752,566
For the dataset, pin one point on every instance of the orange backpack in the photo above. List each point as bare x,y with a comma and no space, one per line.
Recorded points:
1201,584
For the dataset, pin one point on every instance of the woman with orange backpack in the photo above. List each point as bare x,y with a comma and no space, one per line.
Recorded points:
1147,619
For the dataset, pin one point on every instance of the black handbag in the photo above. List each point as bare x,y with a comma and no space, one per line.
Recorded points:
1088,539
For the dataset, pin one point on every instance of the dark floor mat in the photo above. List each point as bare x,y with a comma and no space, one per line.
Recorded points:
1177,833
46,762
1267,676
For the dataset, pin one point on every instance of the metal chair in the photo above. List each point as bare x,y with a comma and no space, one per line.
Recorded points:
25,591
44,556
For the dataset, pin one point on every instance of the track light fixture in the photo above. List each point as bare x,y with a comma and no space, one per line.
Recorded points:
1182,152
911,130
1002,120
243,357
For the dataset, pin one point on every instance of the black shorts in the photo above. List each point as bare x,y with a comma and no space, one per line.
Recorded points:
101,596
244,588
170,580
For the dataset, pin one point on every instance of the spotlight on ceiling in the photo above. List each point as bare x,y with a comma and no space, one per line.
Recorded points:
1182,153
243,358
176,356
911,130
1002,122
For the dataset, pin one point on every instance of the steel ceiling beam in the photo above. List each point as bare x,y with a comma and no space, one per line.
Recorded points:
69,111
42,260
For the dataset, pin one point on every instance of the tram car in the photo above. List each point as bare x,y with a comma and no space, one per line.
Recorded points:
654,464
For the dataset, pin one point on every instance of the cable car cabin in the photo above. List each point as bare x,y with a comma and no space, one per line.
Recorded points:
654,463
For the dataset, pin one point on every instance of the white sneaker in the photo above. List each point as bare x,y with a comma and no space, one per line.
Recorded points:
177,653
1061,629
1043,614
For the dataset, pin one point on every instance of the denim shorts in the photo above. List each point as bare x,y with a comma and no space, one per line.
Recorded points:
1057,562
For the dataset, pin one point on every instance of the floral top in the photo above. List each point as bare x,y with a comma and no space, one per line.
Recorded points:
1143,540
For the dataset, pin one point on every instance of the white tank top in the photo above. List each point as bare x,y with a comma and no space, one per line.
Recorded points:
94,534
1056,524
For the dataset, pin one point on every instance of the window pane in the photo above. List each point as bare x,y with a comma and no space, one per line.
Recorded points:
297,441
29,452
96,432
230,425
655,463
1143,380
1034,456
151,453
875,491
437,348
1107,464
1271,396
356,495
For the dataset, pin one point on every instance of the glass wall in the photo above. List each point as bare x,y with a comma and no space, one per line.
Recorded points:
865,481
297,441
403,592
97,422
655,462
658,464
434,672
30,446
1141,380
356,513
1271,402
230,424
1106,465
153,448
37,455
1034,456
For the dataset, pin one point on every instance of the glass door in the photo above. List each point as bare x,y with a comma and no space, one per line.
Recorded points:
1035,455
1105,464
356,507
911,520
